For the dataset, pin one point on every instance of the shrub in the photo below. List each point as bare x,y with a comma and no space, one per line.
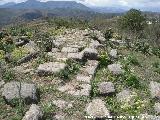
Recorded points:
104,59
44,41
132,80
133,21
8,75
72,68
108,34
131,59
143,47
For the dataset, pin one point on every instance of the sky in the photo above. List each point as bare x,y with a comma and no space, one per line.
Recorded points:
105,3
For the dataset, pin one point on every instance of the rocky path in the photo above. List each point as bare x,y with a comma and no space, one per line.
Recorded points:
72,98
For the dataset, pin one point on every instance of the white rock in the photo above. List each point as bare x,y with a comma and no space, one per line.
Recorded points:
34,113
69,50
115,69
97,109
51,68
155,89
106,88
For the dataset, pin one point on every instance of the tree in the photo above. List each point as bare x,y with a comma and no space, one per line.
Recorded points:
133,21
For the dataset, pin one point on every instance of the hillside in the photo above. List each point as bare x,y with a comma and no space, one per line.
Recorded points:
59,69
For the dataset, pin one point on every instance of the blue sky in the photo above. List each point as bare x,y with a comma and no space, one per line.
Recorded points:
103,3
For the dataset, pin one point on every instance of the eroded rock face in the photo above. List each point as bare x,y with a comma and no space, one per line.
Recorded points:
106,88
50,68
13,90
155,89
115,69
34,113
97,109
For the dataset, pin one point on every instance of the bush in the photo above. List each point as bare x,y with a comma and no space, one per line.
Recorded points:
8,75
132,21
108,34
104,59
44,41
131,59
143,47
72,68
132,81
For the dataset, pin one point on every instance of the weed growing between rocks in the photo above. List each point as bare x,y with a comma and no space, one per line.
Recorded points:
71,69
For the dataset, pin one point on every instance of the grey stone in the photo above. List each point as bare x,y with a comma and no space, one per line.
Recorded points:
95,44
76,90
28,58
157,108
90,53
148,117
14,90
83,78
106,88
124,96
60,116
54,50
76,56
91,67
62,104
31,47
97,109
50,68
82,90
69,50
22,41
155,89
113,53
115,69
34,113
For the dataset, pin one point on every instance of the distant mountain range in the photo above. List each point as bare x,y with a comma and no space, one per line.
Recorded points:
34,4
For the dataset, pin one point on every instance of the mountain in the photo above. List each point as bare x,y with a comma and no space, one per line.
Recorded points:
34,4
109,9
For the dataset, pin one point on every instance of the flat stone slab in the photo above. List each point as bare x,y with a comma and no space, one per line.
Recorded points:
116,69
97,109
124,96
76,90
76,56
155,89
51,68
81,90
62,104
95,44
83,78
106,88
34,113
13,90
91,67
149,117
69,50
